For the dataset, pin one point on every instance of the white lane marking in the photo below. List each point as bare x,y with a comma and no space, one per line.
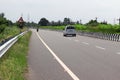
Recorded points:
59,61
76,40
100,47
85,43
69,38
118,53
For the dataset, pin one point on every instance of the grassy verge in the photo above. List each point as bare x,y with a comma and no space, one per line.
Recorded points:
10,32
14,63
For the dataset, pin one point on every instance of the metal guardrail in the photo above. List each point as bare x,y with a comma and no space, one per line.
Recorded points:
105,36
8,44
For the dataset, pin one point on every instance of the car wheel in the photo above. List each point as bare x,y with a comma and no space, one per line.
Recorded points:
74,35
64,35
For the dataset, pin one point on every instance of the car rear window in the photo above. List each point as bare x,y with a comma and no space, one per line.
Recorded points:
70,27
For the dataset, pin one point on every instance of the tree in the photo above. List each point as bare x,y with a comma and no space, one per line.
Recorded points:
92,23
59,23
77,22
2,15
9,23
80,21
2,28
4,21
43,22
104,22
66,21
52,23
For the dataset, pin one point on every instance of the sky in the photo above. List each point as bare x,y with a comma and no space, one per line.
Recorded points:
54,10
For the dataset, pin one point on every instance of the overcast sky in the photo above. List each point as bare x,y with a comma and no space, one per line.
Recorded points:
59,9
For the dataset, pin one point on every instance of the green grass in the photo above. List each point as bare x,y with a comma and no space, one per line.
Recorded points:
80,27
13,64
10,32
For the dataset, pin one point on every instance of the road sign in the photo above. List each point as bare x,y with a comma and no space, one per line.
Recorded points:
21,22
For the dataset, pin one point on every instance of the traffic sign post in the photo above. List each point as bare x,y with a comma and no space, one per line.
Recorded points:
20,23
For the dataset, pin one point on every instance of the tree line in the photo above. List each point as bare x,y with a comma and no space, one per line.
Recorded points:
66,21
4,22
46,22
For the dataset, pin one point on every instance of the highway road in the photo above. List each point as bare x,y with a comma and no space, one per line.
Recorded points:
54,57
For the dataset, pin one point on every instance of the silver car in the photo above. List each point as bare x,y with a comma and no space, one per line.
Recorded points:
69,30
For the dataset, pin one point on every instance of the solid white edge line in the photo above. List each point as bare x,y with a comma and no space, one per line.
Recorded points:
100,47
59,61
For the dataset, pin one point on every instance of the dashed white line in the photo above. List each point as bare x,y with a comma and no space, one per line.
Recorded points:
118,53
76,40
85,43
100,47
74,77
69,38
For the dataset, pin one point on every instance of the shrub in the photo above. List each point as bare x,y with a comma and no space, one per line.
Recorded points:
2,28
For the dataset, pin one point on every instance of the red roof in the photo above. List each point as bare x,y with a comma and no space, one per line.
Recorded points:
21,20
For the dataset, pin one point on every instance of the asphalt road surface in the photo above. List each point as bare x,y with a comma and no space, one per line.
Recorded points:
54,57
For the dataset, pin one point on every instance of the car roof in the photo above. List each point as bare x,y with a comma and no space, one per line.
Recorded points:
70,27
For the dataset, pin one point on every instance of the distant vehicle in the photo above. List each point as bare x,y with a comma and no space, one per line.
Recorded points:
37,29
69,30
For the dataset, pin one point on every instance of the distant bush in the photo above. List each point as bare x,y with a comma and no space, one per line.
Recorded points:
92,23
80,27
4,21
105,28
117,28
9,32
2,28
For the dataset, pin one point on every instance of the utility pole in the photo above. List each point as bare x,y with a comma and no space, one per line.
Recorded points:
119,20
96,18
28,20
114,22
21,14
28,17
80,21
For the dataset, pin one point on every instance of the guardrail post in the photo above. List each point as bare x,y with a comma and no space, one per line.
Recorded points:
106,36
118,37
